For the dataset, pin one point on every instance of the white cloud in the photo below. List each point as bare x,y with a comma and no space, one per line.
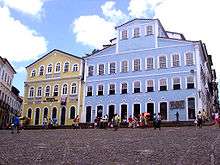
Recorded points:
143,8
197,20
19,42
112,14
32,7
20,69
93,30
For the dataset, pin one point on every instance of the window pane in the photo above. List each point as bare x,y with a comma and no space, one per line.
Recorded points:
176,61
150,64
91,68
162,62
189,59
124,34
124,66
112,68
136,32
137,65
101,69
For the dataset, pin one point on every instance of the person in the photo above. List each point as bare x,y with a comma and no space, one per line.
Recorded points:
158,120
204,116
177,116
44,123
105,121
76,122
116,122
155,121
50,123
130,121
142,121
199,119
15,124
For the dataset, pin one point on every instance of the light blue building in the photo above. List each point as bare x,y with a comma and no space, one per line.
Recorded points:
148,69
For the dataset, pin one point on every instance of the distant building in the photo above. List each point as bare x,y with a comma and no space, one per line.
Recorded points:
148,69
53,88
10,101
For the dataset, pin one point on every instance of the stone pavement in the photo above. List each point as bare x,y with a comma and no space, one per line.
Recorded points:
174,145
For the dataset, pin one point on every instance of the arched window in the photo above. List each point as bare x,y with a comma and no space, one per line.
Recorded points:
29,113
73,88
75,68
45,112
41,72
33,73
39,91
72,112
54,113
64,89
31,92
47,91
57,67
49,68
55,91
66,67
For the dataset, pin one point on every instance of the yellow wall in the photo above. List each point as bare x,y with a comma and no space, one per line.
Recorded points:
65,78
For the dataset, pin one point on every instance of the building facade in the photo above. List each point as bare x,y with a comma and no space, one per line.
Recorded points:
10,102
148,69
53,88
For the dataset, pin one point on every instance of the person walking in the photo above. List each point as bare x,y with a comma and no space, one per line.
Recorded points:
76,122
15,124
199,119
159,120
130,122
177,117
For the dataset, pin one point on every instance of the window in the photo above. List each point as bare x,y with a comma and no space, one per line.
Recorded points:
191,108
29,113
112,89
124,88
189,59
163,85
90,70
176,83
137,87
100,90
49,68
150,63
6,77
137,66
41,73
66,67
124,66
39,91
75,68
162,62
136,32
150,85
33,73
101,69
55,90
47,91
190,82
73,88
112,68
72,112
149,30
176,60
3,73
124,35
64,89
89,91
31,92
57,67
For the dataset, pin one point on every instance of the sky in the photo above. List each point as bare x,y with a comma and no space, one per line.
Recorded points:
31,28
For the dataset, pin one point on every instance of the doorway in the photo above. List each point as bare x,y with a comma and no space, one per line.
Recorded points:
37,115
111,112
137,110
124,112
88,114
163,110
150,109
63,115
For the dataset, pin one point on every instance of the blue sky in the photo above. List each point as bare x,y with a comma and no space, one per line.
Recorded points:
31,28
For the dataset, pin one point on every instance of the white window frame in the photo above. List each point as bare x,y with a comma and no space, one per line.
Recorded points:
109,68
93,71
98,69
193,56
71,87
74,66
147,85
166,83
194,80
51,69
109,88
64,66
57,90
146,63
55,70
133,64
87,89
66,90
29,92
121,87
40,71
121,34
158,61
97,89
171,59
133,33
127,66
133,85
41,91
46,91
34,70
146,30
172,80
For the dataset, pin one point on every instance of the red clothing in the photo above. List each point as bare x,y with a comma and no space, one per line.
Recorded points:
130,119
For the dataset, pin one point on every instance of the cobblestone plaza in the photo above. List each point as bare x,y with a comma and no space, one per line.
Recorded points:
174,145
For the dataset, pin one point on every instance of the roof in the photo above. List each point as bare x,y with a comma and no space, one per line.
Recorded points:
181,35
6,61
50,53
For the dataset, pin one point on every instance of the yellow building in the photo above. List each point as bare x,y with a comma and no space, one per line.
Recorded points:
53,88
